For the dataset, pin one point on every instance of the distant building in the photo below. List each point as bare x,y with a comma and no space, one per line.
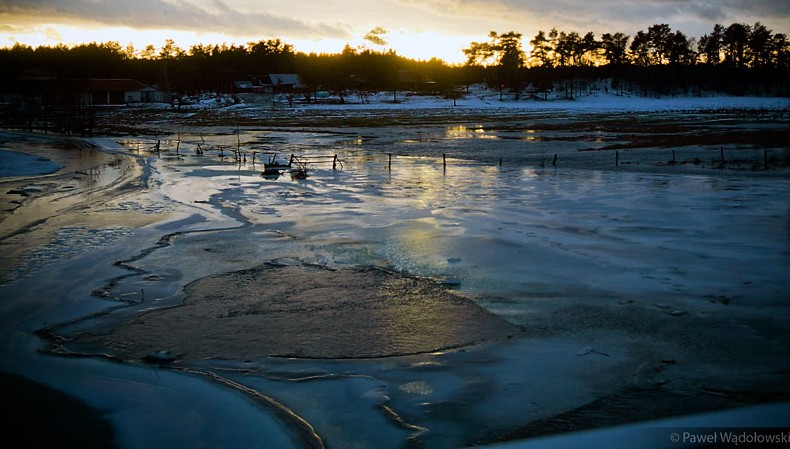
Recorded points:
287,82
112,91
275,83
148,94
244,86
86,92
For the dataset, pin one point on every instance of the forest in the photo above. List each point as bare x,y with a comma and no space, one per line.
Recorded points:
735,59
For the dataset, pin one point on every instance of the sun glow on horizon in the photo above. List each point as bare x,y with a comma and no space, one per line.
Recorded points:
423,45
414,45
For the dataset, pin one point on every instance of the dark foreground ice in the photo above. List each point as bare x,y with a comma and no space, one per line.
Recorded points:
320,311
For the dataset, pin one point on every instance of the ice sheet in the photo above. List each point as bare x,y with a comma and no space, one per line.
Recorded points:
623,279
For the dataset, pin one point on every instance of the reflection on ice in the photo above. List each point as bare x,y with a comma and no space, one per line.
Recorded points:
65,243
580,258
622,281
469,132
625,233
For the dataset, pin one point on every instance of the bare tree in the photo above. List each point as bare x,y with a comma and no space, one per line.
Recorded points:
540,55
479,53
614,48
640,49
735,41
780,51
678,49
758,52
710,45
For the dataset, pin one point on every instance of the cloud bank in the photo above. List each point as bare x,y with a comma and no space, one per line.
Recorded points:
694,16
215,16
344,20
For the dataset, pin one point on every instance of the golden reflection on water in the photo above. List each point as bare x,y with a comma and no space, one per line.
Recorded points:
466,132
421,239
413,317
530,135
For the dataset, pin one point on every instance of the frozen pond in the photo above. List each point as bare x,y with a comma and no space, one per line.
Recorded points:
632,288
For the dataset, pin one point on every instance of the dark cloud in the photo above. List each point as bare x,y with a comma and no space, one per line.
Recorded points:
174,15
703,10
692,16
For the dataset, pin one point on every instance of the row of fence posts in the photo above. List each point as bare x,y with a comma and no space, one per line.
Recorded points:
555,159
241,157
722,160
444,161
238,155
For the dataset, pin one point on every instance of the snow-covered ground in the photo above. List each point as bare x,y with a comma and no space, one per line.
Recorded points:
480,98
626,282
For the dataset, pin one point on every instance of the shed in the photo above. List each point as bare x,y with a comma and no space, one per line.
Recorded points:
287,82
112,91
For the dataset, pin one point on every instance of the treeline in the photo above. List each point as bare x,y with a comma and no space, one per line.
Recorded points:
217,67
736,59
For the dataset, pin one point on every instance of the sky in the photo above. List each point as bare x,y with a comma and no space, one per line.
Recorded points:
419,29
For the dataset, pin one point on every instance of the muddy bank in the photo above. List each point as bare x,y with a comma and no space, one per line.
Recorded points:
92,200
310,312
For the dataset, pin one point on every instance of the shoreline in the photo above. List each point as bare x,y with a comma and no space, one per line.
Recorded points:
90,177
